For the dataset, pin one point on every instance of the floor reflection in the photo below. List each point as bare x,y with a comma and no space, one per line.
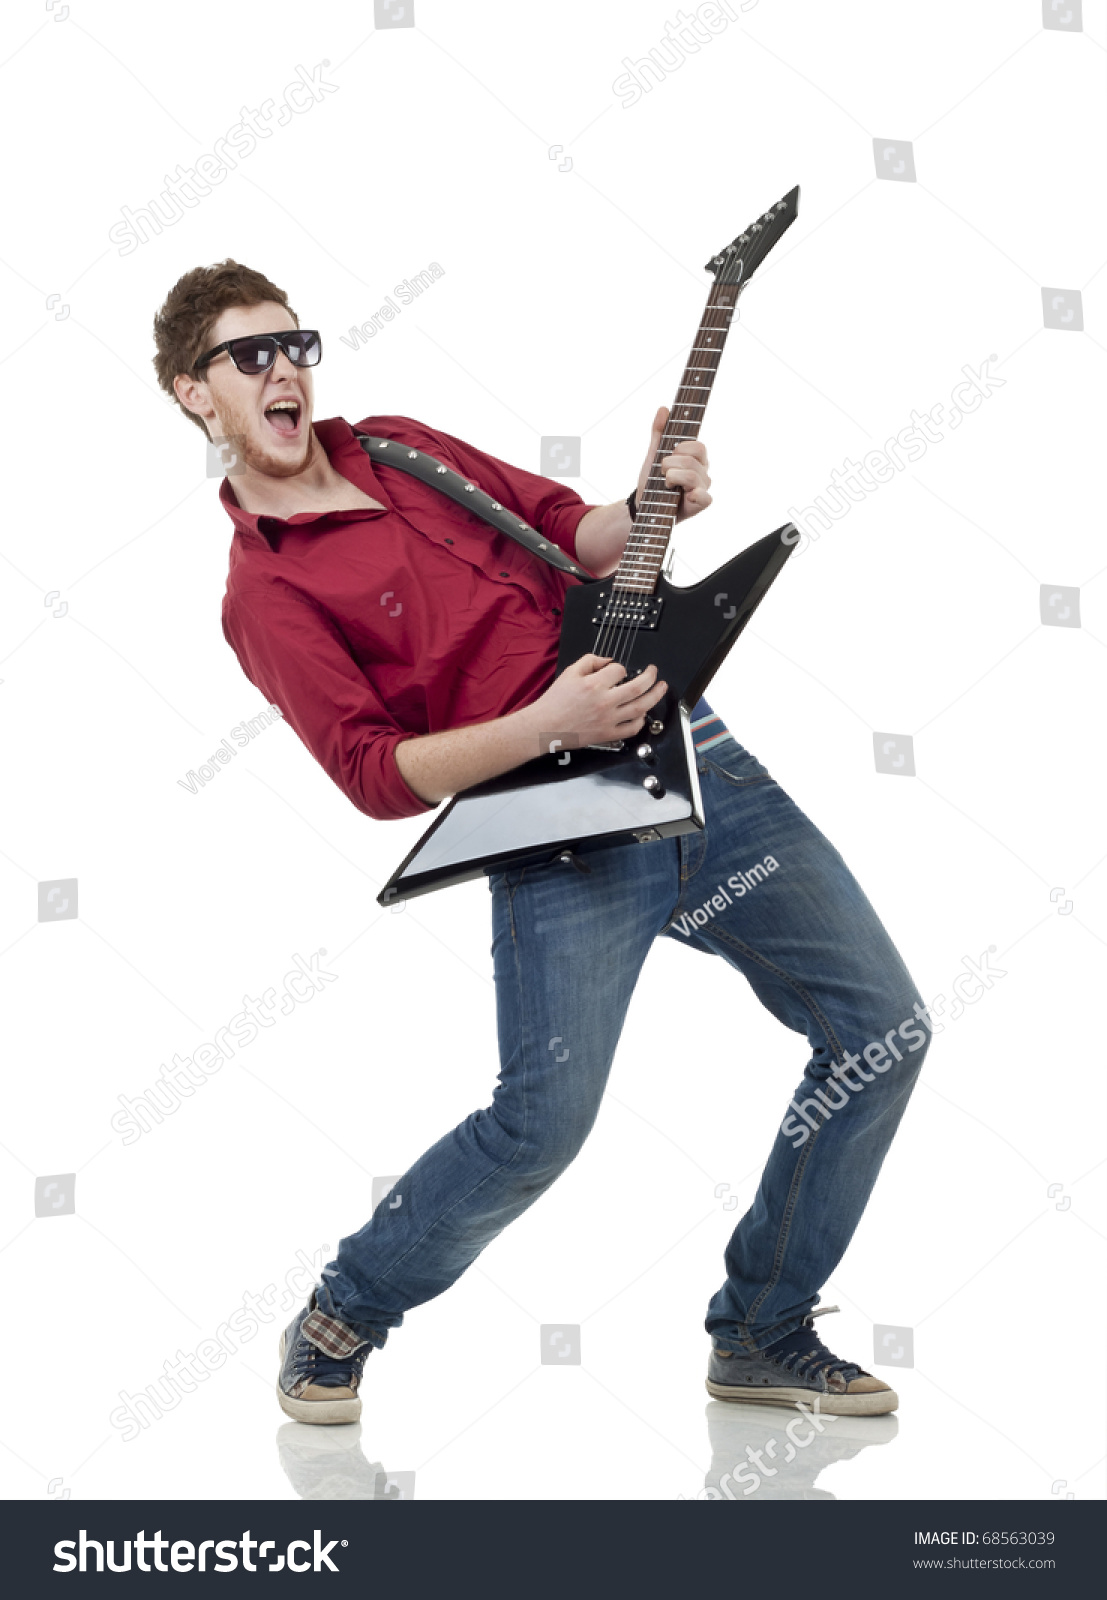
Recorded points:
777,1452
329,1464
757,1453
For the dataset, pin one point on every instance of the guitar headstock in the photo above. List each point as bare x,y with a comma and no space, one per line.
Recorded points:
741,258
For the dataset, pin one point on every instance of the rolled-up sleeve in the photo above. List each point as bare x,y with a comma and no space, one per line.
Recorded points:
293,652
547,504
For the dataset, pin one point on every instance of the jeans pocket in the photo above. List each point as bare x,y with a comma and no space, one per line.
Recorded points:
736,765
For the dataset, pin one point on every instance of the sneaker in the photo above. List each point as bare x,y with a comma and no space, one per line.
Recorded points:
322,1361
795,1368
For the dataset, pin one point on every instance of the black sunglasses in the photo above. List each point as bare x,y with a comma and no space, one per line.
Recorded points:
256,352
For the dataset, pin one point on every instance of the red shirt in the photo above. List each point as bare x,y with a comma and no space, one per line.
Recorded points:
368,627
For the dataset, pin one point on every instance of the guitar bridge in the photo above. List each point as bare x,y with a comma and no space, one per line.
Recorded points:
628,610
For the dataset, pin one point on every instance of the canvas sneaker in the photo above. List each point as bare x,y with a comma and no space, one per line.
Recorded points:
322,1361
795,1368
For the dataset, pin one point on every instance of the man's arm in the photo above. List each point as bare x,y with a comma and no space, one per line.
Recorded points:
602,534
592,702
436,765
596,536
293,652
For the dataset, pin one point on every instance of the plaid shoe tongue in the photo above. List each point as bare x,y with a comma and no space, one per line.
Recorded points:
334,1338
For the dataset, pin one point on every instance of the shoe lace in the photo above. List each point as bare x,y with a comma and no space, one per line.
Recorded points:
327,1371
811,1356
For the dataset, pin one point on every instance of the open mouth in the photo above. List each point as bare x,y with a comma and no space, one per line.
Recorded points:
283,416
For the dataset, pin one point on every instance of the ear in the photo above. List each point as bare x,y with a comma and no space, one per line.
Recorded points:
194,395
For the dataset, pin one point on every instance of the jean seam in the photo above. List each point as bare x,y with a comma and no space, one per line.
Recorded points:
794,984
687,875
679,842
741,783
684,878
801,1166
786,1221
751,1347
735,783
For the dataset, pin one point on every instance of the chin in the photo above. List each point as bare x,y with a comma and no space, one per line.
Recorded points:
283,460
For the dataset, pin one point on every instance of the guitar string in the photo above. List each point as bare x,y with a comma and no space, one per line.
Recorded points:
614,632
622,630
626,628
622,636
628,638
618,631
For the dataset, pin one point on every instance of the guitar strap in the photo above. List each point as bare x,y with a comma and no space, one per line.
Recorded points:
436,475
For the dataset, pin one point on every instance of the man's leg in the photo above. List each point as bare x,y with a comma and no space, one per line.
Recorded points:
568,946
800,929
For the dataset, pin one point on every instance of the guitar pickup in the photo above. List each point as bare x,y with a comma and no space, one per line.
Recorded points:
628,610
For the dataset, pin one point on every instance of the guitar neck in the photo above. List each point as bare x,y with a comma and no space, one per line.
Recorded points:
644,554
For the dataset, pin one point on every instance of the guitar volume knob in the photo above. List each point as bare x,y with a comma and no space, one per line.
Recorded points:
656,727
654,786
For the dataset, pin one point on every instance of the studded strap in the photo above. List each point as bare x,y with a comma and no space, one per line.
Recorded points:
434,473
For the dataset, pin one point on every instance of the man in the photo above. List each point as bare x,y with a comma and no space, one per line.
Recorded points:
411,649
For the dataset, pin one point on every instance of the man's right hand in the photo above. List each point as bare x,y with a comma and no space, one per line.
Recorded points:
594,702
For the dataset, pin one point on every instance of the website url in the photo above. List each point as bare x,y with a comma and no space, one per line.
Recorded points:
980,1562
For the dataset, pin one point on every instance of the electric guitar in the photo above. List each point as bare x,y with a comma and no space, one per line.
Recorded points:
573,799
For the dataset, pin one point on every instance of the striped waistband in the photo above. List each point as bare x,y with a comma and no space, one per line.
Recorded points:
709,731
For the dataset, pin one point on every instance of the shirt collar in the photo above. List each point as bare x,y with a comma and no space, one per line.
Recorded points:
345,454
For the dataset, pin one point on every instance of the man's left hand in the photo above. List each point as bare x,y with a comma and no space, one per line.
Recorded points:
685,469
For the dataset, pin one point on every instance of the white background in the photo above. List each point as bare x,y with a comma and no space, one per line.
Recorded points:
568,300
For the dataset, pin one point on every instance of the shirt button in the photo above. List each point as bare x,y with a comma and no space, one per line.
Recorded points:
449,541
505,574
557,611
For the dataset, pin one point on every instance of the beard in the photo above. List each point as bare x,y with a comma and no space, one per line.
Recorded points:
242,428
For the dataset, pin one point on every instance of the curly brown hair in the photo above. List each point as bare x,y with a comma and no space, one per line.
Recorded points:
183,326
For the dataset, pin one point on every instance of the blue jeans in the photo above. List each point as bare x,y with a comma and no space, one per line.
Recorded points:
764,890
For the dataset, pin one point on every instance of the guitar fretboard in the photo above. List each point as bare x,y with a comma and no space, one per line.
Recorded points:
644,553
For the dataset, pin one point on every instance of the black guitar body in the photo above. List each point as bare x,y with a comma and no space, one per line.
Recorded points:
591,798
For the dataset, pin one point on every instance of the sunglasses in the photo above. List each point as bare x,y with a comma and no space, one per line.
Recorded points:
256,352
